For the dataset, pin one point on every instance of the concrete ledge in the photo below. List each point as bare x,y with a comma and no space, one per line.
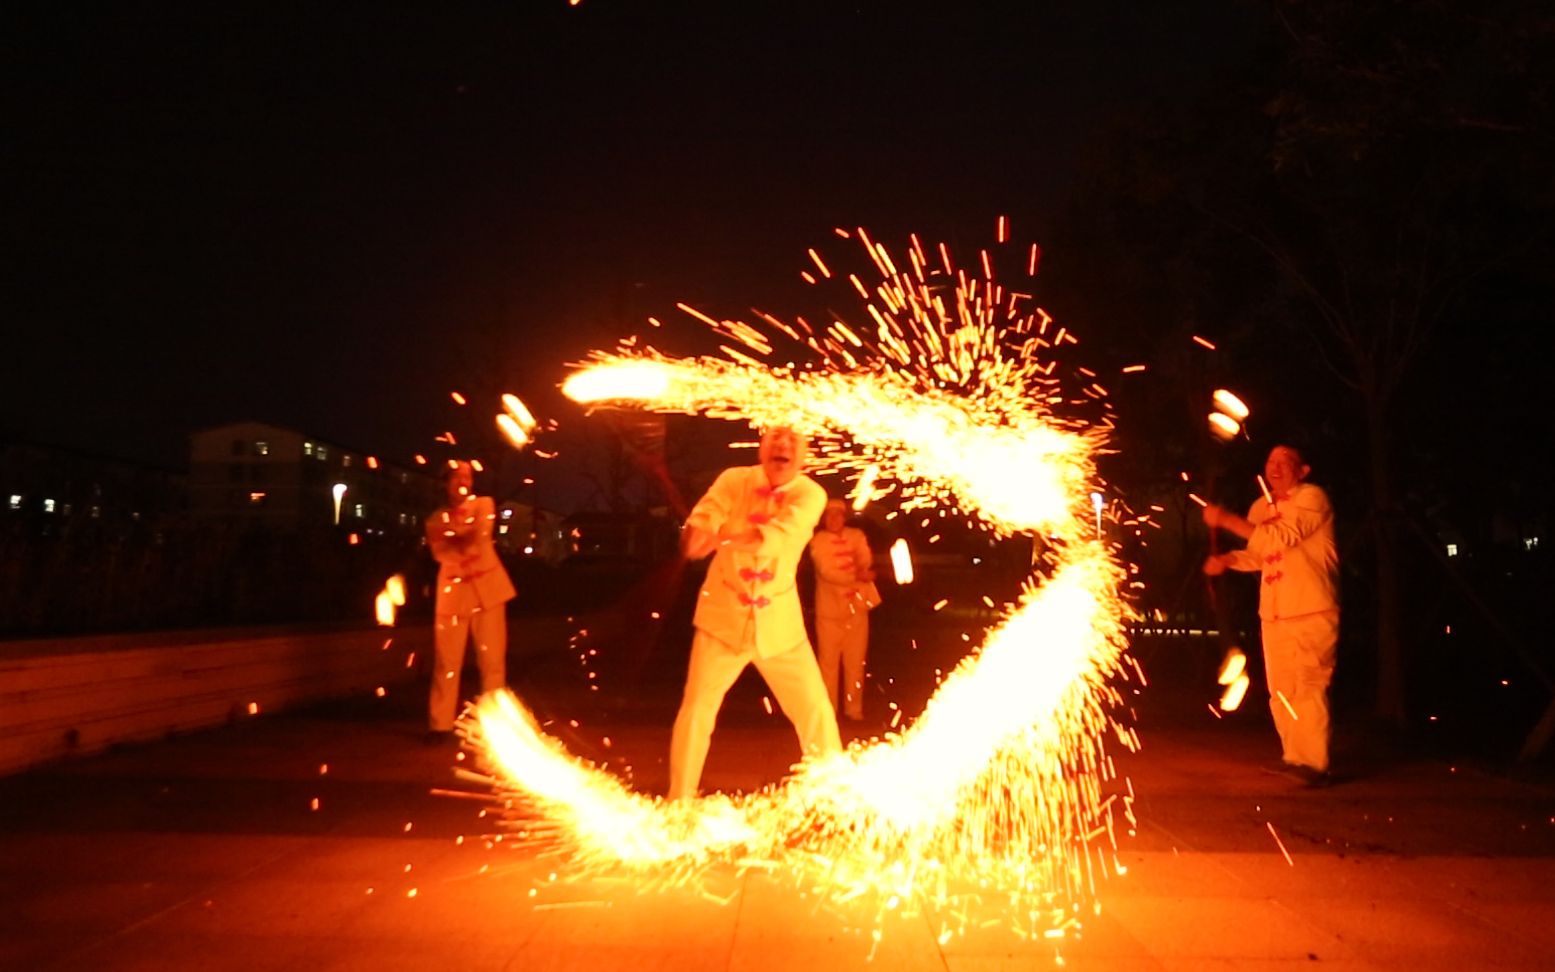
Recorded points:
84,698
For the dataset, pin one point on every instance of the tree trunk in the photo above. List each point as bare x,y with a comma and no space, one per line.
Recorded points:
1390,698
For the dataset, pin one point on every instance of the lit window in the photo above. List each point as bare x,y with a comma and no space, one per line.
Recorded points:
256,498
360,512
502,529
345,460
529,550
307,448
48,506
1530,543
65,510
1452,550
97,511
320,452
261,448
16,501
507,514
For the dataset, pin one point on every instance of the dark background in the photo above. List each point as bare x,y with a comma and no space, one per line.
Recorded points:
329,216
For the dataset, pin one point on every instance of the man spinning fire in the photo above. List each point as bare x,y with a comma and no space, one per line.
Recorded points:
756,521
1290,541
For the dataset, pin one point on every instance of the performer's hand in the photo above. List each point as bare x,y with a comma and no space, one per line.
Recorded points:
1215,565
696,543
738,537
1213,516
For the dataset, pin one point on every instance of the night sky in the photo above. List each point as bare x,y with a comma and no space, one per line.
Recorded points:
328,216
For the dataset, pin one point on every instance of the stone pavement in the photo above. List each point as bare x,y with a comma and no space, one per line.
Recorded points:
208,851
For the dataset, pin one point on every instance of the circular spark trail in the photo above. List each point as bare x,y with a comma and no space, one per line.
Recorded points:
999,784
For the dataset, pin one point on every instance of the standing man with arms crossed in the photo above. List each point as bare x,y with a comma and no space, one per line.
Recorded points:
1290,542
472,594
844,594
756,521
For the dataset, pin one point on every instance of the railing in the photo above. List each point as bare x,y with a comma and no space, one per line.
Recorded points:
77,696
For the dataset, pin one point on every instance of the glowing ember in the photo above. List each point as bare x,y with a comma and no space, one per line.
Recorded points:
996,791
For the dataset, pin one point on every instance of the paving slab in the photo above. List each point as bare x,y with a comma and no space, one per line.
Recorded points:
333,837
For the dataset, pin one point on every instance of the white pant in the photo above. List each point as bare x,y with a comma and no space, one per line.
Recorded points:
795,682
845,640
490,629
1298,657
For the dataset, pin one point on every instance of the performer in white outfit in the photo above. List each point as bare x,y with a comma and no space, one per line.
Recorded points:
1290,541
844,594
473,589
756,520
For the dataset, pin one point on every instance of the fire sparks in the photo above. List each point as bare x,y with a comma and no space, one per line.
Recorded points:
999,783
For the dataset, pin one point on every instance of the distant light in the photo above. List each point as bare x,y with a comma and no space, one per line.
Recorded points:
339,491
420,459
1530,543
48,506
458,398
16,501
372,462
529,551
257,497
1452,550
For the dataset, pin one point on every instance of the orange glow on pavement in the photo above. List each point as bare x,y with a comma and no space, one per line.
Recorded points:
1000,783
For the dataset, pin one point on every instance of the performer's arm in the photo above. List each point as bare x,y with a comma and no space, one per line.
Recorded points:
1291,521
793,523
863,559
700,535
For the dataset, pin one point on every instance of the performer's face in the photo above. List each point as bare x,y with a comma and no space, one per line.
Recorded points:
834,518
461,483
1284,469
783,453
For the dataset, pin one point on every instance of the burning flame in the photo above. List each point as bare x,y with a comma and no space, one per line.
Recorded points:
901,561
999,783
390,600
516,421
1231,405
